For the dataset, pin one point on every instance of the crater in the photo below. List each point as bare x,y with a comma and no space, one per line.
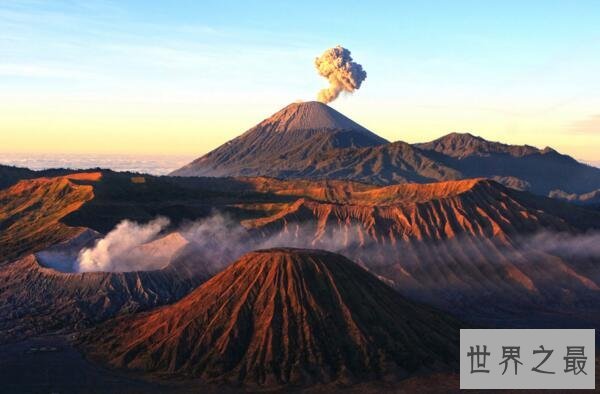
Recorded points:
149,256
62,257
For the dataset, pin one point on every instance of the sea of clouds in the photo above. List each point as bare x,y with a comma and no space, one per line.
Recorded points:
146,164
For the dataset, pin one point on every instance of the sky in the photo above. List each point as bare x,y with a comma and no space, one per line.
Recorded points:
181,78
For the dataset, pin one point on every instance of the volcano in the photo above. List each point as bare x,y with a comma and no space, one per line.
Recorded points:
313,141
286,141
283,316
473,248
39,290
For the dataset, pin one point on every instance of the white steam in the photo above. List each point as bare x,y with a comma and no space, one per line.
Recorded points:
130,246
585,245
343,74
218,240
214,241
115,251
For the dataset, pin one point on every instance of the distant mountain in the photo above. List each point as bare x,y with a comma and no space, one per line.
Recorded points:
283,316
540,170
463,145
284,143
590,198
313,141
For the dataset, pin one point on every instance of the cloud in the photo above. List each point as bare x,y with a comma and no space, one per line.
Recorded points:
587,126
153,164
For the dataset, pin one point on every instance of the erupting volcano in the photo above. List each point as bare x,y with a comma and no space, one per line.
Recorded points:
287,141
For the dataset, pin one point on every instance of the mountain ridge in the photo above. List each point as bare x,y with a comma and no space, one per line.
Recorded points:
311,140
461,145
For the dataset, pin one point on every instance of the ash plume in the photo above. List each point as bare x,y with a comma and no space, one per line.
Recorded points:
343,74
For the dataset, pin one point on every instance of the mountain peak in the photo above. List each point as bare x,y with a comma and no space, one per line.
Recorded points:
456,136
286,142
310,115
461,145
462,139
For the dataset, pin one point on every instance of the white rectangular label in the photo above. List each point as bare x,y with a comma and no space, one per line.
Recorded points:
527,359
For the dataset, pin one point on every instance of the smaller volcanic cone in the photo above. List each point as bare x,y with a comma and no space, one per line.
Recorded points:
283,316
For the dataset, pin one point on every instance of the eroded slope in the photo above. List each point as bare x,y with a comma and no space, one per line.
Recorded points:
283,316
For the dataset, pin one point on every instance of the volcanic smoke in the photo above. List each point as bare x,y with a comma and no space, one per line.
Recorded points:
219,235
343,73
113,252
